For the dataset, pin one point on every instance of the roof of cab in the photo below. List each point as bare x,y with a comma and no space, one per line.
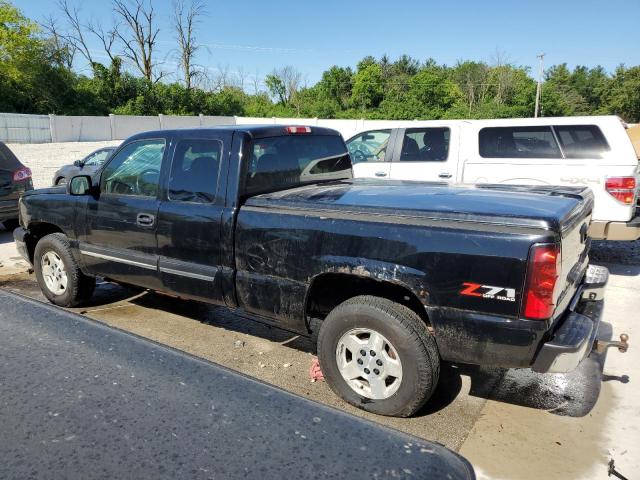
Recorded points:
254,131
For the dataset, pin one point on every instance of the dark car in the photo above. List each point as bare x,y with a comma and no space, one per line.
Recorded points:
88,165
392,277
15,178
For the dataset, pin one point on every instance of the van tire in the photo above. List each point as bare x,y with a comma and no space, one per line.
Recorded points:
79,287
406,337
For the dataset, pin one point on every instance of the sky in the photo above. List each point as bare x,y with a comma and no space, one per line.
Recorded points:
254,37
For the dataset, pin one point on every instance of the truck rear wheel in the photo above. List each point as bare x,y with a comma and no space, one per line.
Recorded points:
378,356
58,274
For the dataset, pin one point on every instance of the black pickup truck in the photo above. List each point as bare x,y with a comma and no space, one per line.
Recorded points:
392,277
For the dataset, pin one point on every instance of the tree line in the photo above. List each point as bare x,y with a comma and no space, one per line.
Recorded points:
37,75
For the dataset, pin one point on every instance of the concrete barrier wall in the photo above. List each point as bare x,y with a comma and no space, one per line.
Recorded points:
45,158
80,128
19,128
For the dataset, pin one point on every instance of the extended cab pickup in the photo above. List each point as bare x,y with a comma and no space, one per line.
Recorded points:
392,277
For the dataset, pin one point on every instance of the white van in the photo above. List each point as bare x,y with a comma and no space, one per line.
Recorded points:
591,151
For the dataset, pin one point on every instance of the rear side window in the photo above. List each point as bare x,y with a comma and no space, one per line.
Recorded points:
194,171
425,145
582,141
283,162
518,142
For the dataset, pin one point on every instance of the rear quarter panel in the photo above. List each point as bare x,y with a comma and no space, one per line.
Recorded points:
279,253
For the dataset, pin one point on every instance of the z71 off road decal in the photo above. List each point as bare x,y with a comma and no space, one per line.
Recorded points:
488,291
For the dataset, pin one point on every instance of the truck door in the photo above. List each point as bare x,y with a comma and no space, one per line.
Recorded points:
189,219
117,234
370,152
426,154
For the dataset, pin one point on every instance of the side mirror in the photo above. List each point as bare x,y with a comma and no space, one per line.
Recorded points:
77,163
80,185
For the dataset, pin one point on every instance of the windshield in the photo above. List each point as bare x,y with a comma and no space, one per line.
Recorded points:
287,161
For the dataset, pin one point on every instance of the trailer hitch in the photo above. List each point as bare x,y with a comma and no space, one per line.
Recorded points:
622,346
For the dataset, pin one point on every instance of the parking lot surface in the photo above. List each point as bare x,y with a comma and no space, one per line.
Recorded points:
508,423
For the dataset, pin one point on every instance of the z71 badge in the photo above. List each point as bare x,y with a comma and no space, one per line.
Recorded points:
488,291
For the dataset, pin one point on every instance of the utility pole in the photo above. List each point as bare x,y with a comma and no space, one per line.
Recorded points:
536,113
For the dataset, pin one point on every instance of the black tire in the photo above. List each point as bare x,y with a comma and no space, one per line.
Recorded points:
11,225
408,334
80,287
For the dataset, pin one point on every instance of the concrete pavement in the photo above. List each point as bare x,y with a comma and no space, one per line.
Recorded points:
508,423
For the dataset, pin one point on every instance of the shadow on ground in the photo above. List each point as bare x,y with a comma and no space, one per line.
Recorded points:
572,394
225,318
622,254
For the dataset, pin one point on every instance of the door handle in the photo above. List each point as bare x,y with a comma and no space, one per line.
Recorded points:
445,175
145,219
381,174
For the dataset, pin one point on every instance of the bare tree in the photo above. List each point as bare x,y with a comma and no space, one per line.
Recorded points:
241,78
221,78
284,83
256,82
185,19
75,35
64,50
107,37
138,35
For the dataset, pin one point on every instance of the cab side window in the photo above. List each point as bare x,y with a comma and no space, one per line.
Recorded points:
194,171
135,169
369,146
425,145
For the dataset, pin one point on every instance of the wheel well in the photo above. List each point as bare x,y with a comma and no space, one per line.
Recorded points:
38,231
329,290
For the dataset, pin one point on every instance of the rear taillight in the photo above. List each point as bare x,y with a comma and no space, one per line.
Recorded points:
21,174
542,276
622,189
298,129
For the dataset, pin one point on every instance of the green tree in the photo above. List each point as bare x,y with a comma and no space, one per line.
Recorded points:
368,89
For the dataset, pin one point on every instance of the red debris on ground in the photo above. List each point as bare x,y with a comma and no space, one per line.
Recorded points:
315,372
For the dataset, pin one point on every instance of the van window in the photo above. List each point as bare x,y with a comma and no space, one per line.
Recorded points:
286,161
369,146
194,171
581,141
425,145
518,142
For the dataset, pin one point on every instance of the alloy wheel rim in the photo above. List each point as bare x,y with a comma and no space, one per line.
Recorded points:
54,273
369,363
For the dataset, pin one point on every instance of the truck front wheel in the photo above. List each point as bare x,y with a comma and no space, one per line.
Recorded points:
378,356
58,274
